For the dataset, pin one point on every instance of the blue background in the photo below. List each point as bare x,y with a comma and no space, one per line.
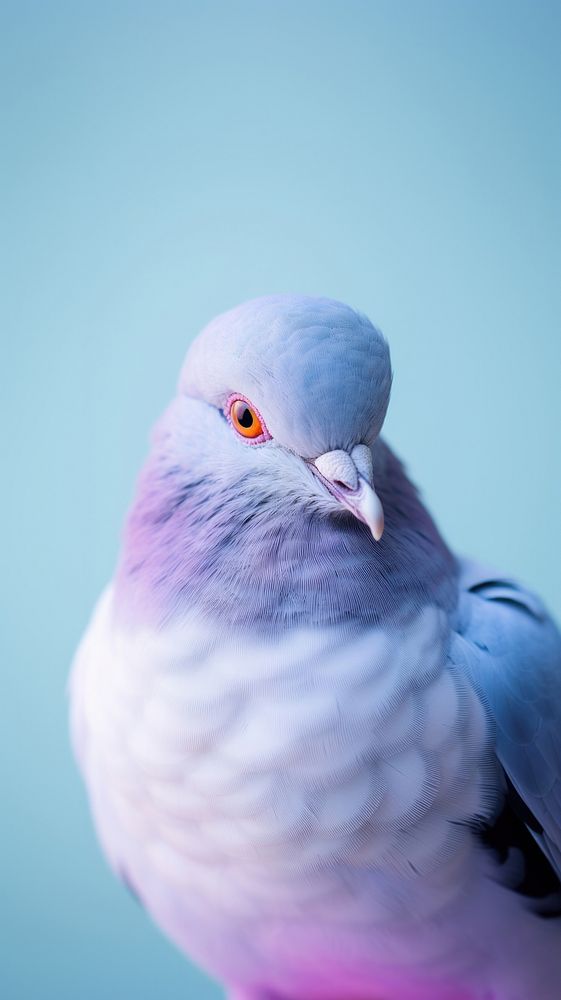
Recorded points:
162,162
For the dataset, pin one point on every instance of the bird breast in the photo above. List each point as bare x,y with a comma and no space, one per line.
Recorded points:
242,768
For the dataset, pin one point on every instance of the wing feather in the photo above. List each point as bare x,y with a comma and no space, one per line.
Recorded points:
509,647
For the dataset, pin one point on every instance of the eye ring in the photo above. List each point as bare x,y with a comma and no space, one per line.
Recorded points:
245,419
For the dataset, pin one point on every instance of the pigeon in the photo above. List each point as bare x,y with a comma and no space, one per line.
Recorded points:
323,751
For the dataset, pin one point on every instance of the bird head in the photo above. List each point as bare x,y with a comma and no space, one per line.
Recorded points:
304,383
262,497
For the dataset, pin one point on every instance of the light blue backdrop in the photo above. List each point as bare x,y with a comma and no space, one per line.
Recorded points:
162,162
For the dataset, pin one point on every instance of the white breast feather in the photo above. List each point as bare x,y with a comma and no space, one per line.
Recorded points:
324,777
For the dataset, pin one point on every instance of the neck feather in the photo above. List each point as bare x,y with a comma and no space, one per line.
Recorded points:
191,546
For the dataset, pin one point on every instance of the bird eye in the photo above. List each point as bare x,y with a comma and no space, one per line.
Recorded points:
246,420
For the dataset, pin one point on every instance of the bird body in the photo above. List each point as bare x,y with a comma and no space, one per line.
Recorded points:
298,740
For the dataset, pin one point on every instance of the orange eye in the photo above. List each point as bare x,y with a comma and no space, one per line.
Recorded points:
246,420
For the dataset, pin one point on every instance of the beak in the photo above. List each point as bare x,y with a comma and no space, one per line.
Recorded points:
349,478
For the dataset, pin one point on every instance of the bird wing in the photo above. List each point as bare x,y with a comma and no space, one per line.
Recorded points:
510,649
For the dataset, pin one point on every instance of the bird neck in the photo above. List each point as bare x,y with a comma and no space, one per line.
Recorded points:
189,548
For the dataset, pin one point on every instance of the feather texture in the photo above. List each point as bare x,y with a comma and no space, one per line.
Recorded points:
510,649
